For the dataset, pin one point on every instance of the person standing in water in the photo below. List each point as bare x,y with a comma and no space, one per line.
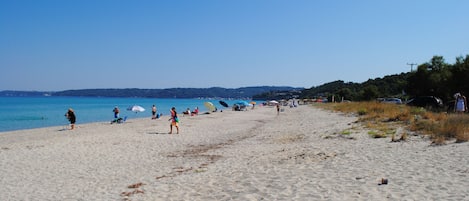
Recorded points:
174,121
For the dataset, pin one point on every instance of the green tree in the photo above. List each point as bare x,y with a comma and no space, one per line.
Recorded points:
438,63
370,92
430,78
460,76
345,93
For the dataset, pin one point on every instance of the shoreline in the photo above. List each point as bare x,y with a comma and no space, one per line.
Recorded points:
32,113
253,155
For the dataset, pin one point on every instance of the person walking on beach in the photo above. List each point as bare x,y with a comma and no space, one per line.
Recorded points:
278,109
71,117
116,112
153,112
460,104
174,121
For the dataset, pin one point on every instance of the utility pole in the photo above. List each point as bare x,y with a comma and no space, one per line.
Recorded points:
411,65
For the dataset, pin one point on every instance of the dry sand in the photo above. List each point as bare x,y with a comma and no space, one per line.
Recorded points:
300,154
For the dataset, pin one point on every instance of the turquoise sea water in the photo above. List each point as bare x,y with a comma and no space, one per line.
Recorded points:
17,113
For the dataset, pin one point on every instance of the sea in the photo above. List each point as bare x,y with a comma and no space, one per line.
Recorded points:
19,113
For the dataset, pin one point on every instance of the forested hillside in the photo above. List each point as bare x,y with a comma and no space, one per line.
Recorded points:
214,92
436,78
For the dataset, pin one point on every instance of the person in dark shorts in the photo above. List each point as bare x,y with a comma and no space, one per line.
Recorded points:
153,112
116,112
71,117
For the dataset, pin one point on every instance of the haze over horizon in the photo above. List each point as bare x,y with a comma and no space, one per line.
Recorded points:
53,45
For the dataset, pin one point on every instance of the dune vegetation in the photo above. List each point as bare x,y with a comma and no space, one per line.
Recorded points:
383,120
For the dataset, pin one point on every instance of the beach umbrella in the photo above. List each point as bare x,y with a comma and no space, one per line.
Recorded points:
136,108
273,102
242,103
210,107
223,103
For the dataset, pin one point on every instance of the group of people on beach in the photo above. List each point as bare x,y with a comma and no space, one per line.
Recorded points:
191,113
70,115
460,106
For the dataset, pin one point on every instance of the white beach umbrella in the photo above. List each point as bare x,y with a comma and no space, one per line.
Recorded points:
136,108
273,102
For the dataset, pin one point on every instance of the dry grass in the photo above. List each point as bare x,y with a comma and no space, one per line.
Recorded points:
454,127
382,119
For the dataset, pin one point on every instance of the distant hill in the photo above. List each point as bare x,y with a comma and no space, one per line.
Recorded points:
213,92
388,86
8,93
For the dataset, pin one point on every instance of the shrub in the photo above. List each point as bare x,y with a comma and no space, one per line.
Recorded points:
362,112
425,126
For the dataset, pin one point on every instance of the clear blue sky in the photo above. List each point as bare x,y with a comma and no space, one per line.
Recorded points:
78,44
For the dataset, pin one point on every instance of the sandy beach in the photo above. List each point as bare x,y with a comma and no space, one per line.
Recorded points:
300,154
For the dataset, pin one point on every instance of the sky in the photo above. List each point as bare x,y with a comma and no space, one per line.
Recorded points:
53,45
